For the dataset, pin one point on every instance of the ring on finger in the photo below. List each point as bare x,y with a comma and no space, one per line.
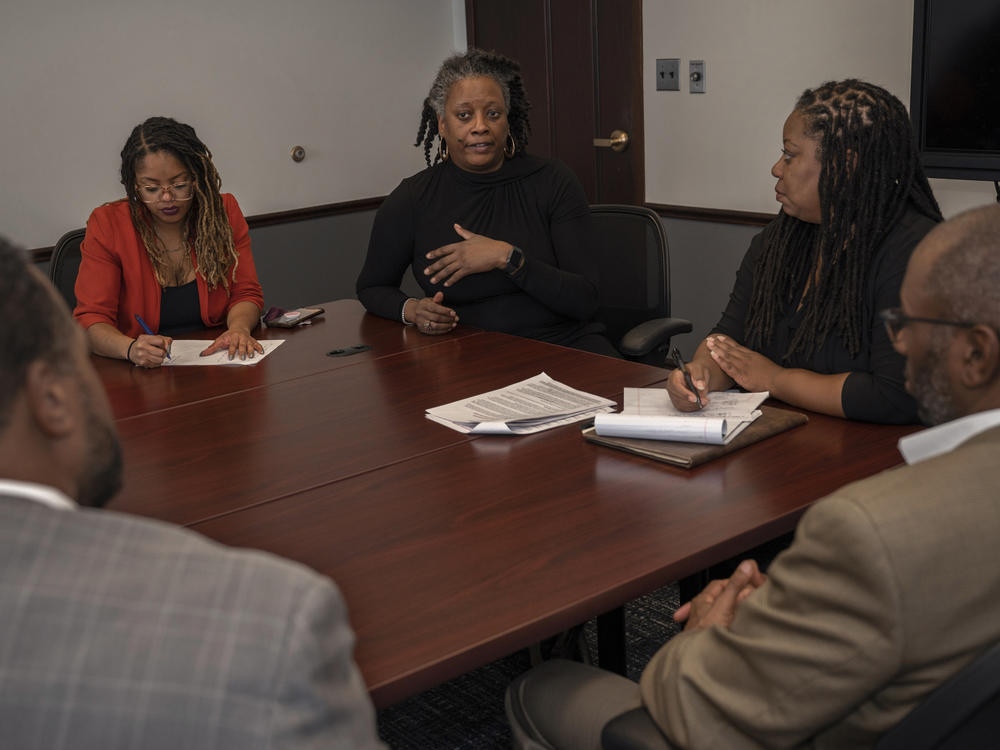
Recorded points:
427,326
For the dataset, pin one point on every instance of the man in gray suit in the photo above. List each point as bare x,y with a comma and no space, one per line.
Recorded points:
891,586
118,632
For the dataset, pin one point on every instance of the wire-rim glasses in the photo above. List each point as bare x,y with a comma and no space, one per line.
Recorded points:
179,191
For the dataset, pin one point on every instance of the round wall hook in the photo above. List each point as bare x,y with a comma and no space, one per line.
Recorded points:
298,153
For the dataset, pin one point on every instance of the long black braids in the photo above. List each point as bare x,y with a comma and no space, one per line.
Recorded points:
207,226
473,64
870,173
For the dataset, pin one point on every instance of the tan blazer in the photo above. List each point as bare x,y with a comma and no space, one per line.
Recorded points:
891,586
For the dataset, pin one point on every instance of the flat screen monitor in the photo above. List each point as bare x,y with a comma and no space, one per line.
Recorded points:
955,87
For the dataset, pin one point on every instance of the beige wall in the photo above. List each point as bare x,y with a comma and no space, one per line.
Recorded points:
715,150
343,78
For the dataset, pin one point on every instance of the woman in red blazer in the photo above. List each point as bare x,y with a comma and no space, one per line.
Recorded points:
175,253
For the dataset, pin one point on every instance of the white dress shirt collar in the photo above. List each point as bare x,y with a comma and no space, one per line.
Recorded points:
944,438
41,493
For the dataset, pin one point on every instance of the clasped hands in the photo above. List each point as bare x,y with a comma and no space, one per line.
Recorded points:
717,603
750,370
151,351
474,254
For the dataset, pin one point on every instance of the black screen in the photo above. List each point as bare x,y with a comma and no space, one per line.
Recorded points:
955,100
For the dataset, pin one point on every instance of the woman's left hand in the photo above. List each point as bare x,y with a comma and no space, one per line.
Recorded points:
237,341
750,370
474,254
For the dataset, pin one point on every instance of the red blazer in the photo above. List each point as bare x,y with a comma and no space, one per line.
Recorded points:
116,278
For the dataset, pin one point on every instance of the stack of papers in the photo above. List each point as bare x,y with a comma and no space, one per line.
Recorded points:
648,414
533,405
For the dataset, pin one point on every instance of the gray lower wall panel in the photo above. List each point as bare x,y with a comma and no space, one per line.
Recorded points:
704,258
315,260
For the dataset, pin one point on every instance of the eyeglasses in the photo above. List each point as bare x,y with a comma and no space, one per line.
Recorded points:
179,191
895,320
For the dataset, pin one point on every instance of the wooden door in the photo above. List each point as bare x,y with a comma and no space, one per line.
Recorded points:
581,62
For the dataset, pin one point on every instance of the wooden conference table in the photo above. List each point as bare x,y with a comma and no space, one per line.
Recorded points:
451,550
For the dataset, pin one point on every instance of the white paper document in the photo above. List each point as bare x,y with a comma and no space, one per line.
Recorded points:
188,352
533,405
647,413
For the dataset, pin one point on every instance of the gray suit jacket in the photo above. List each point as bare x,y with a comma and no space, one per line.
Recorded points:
891,586
118,632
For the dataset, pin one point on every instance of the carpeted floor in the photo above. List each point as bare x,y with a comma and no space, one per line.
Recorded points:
467,712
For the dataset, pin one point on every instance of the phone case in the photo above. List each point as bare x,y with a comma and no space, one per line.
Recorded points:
292,318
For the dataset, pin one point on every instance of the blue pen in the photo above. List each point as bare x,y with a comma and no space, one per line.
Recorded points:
146,329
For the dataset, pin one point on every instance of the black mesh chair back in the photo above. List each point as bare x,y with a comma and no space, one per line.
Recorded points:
65,265
634,265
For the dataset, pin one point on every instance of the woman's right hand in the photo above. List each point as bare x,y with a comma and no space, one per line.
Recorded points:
430,316
149,351
680,396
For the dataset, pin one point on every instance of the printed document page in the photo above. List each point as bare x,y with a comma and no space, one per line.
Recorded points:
533,405
722,404
188,352
648,414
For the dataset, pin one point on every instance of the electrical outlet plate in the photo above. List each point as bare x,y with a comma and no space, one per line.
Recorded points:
697,76
668,74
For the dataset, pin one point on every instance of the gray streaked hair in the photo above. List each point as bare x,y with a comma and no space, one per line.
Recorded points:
474,64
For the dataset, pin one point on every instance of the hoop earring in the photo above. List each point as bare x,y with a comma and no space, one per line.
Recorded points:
509,153
442,149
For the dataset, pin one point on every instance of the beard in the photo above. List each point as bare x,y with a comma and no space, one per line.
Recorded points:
929,385
102,475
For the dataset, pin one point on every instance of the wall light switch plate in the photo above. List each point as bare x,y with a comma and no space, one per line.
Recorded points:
697,75
668,74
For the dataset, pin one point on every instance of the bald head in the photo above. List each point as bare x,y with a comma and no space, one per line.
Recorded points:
961,263
951,292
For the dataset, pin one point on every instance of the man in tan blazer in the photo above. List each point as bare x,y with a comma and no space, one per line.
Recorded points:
120,632
891,586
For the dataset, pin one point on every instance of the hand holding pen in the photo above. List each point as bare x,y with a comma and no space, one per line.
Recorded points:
681,395
149,350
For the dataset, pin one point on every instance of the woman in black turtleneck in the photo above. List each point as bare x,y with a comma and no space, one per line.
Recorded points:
497,239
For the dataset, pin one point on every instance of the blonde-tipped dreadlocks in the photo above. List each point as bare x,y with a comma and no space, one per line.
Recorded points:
207,230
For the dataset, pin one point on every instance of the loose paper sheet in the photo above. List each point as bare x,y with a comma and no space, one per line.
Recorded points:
187,352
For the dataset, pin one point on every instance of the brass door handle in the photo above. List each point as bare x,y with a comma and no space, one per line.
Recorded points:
617,142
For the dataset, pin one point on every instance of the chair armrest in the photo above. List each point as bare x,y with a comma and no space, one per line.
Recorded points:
652,334
633,730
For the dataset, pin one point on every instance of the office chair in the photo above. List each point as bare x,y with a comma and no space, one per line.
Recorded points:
634,265
65,264
962,714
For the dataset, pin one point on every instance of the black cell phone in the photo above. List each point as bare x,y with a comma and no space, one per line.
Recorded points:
347,351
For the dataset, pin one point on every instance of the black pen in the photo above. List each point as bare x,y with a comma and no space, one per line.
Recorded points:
675,355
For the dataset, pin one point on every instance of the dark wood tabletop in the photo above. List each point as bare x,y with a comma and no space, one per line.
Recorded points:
135,390
452,549
204,458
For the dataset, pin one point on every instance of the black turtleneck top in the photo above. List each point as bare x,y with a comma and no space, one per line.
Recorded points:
533,203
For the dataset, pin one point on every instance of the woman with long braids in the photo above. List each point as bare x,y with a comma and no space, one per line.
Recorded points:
175,252
495,237
802,320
